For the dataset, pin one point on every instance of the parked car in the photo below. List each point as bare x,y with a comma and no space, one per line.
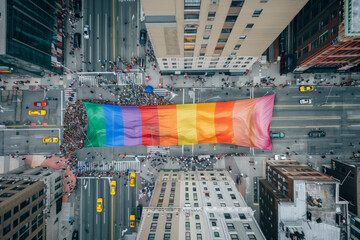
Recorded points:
50,140
142,37
305,101
86,32
75,235
139,209
39,104
77,41
317,133
277,134
306,88
37,112
280,157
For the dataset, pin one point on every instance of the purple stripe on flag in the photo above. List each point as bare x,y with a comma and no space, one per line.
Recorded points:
132,126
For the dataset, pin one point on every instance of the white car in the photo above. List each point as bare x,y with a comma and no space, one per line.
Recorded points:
280,157
86,32
305,101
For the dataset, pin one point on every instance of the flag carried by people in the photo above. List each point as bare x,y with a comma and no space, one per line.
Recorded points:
244,122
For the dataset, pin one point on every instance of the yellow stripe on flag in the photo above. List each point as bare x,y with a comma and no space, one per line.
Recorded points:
186,124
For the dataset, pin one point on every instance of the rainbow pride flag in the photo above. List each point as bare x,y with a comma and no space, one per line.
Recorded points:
243,122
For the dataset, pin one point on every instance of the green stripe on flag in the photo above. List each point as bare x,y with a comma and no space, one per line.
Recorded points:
96,131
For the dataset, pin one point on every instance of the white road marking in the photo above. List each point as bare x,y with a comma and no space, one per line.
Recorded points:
106,36
98,40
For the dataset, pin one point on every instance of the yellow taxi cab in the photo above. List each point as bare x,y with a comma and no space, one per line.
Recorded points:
132,221
307,88
132,179
37,112
113,187
99,205
50,140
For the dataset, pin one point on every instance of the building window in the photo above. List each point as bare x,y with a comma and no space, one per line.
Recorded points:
34,209
251,237
198,226
208,27
211,16
242,37
7,215
202,54
24,216
186,196
195,196
219,48
226,30
198,236
333,15
167,236
234,237
236,204
333,30
212,215
247,226
242,216
6,195
220,40
168,226
197,216
237,47
216,234
220,196
206,37
169,217
209,204
257,13
191,17
189,31
187,225
231,18
223,204
151,236
192,4
203,46
232,196
41,192
249,25
189,48
227,215
213,223
237,3
6,229
15,223
189,39
187,236
230,226
153,226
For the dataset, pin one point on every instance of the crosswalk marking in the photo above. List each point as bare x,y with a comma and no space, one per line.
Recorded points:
158,149
68,94
113,166
88,80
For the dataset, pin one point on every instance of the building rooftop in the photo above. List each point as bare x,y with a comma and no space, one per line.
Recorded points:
297,171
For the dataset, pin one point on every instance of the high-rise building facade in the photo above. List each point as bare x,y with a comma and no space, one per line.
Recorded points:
197,205
327,36
31,36
208,36
22,205
298,202
348,173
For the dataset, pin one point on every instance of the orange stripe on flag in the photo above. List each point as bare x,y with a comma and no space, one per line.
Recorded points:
168,125
205,123
224,122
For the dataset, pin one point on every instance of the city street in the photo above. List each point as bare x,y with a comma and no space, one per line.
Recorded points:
117,209
114,31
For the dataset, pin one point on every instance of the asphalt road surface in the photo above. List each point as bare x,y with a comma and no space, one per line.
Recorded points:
117,209
114,31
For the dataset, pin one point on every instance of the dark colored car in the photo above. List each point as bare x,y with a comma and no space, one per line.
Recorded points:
142,37
317,133
77,41
75,235
139,209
